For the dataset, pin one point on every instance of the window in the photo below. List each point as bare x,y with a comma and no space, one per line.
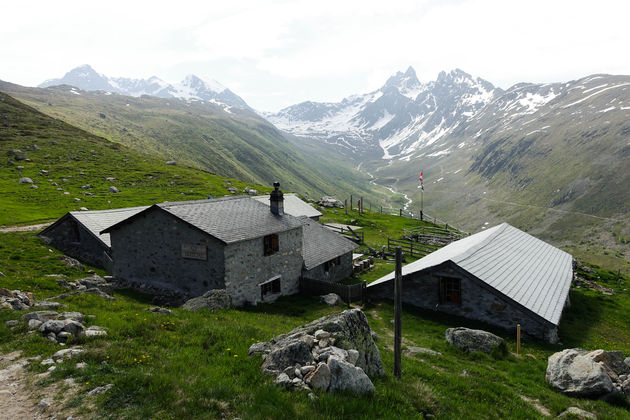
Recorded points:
330,264
271,245
270,287
450,290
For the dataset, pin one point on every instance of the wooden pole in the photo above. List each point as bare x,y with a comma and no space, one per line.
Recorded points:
361,211
397,314
350,202
518,339
345,205
400,212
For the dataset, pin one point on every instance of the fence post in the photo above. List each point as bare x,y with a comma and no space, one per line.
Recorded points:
381,209
397,314
445,226
421,216
345,205
350,202
364,293
361,208
400,212
411,249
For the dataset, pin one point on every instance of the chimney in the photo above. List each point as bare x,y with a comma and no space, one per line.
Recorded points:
276,200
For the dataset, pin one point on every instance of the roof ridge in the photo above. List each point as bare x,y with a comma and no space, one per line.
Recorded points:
475,248
204,201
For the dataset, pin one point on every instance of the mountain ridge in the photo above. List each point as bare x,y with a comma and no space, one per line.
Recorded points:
190,88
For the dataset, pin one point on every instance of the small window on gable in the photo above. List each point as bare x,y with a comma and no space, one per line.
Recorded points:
450,290
270,287
271,244
328,265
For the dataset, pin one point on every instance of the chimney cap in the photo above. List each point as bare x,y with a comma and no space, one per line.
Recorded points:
276,185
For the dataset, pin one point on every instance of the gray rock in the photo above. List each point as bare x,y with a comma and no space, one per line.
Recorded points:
44,403
25,180
171,162
81,365
113,190
612,360
283,380
331,299
333,351
232,190
574,373
214,299
259,348
319,378
413,350
72,263
346,377
77,316
100,389
159,310
41,316
66,353
47,362
73,327
53,325
289,371
289,355
95,331
349,329
328,201
63,336
353,356
321,334
472,340
305,370
44,304
577,412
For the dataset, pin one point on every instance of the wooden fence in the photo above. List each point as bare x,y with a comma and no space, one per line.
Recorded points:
411,248
353,235
348,292
434,235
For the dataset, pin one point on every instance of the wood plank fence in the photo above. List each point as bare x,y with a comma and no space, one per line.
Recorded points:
354,235
411,248
348,292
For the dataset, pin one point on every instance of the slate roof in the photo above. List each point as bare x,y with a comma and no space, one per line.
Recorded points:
320,244
96,221
293,205
229,219
525,269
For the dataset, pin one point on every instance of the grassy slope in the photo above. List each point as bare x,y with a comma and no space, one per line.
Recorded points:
82,158
196,365
238,144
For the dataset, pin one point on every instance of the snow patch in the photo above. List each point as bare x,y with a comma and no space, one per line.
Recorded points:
607,109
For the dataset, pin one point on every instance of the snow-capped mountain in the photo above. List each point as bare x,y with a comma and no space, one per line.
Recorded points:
396,120
191,88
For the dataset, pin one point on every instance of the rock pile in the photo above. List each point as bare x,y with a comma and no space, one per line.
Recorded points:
581,373
94,284
332,353
15,299
473,340
59,327
328,201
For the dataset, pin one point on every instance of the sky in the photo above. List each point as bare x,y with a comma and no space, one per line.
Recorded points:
277,53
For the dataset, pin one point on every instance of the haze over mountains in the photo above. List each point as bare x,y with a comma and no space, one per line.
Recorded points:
191,88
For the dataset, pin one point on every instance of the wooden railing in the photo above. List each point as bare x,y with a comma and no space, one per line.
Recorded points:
353,235
348,292
411,248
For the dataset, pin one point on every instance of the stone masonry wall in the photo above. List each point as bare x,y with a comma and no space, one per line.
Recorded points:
246,267
478,303
336,273
85,248
149,251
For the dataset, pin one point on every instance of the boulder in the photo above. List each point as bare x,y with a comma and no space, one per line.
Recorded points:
95,331
470,340
331,299
66,354
171,162
346,377
41,316
283,380
289,354
113,190
573,412
214,299
611,360
328,201
72,263
25,180
574,373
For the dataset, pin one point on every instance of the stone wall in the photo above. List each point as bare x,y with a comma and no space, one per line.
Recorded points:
75,240
246,267
477,302
334,274
149,251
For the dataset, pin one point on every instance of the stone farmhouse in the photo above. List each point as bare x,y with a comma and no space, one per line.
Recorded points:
293,205
255,251
501,276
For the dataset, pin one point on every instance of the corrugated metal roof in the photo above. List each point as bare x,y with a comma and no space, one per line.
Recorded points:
529,271
231,219
320,244
293,205
98,220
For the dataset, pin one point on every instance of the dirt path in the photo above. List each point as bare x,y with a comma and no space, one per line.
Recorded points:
18,400
24,228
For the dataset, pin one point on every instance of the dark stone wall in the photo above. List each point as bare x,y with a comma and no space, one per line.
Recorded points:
148,251
478,303
334,274
75,240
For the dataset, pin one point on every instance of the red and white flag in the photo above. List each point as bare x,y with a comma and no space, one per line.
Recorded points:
421,181
420,177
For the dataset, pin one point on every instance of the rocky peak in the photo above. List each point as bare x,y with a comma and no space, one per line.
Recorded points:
403,81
